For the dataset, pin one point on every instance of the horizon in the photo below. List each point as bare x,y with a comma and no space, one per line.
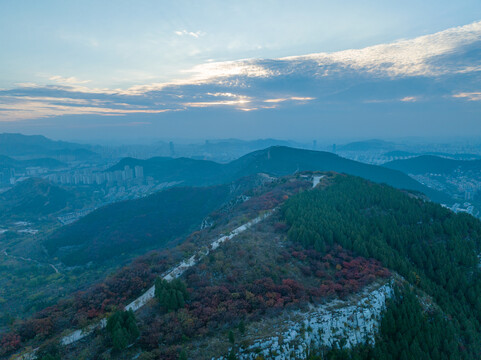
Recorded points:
391,73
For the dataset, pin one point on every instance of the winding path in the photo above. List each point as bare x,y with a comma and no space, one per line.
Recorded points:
172,274
169,276
30,260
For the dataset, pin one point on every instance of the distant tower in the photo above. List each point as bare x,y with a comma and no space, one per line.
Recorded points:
171,146
314,144
334,148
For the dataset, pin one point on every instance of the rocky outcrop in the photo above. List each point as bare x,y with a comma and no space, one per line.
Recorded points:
338,323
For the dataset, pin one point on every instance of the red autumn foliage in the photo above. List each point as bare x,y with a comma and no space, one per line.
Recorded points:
213,304
100,298
9,343
273,198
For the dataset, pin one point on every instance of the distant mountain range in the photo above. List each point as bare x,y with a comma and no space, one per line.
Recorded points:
37,146
162,217
276,161
49,163
368,145
406,154
433,164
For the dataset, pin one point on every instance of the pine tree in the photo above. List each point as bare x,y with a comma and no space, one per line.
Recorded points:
231,337
183,355
242,327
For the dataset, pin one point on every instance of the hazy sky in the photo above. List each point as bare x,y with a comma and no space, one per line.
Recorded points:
161,68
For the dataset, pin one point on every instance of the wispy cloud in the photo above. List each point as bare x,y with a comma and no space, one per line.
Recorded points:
470,96
254,84
409,99
14,108
412,57
68,80
292,98
193,34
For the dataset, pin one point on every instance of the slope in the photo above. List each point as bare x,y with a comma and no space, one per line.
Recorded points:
33,198
277,161
311,279
135,225
8,162
433,164
32,145
435,250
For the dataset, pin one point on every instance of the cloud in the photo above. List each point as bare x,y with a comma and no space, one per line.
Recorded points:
14,108
195,35
68,80
414,57
376,75
293,98
409,99
470,96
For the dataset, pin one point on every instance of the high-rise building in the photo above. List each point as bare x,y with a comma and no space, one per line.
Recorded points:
139,172
128,173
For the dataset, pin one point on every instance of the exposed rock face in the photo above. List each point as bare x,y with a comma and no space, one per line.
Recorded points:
338,323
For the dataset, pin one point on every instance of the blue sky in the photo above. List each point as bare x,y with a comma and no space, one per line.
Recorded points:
121,43
142,66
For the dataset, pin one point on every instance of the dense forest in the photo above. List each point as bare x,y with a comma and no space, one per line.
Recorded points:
33,198
135,225
431,247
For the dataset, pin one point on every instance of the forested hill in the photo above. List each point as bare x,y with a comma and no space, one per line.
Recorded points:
435,250
34,145
334,243
433,164
135,225
281,160
277,161
49,163
33,198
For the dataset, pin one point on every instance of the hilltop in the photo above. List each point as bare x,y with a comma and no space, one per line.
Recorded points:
33,198
433,164
48,163
275,161
37,146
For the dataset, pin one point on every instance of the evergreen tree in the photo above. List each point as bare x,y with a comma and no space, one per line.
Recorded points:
242,327
122,328
231,337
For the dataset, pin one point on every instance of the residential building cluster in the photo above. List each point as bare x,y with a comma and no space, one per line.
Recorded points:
86,177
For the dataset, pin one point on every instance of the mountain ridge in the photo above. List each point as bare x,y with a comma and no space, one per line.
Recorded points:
277,161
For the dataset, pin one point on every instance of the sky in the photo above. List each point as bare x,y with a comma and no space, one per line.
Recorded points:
247,69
